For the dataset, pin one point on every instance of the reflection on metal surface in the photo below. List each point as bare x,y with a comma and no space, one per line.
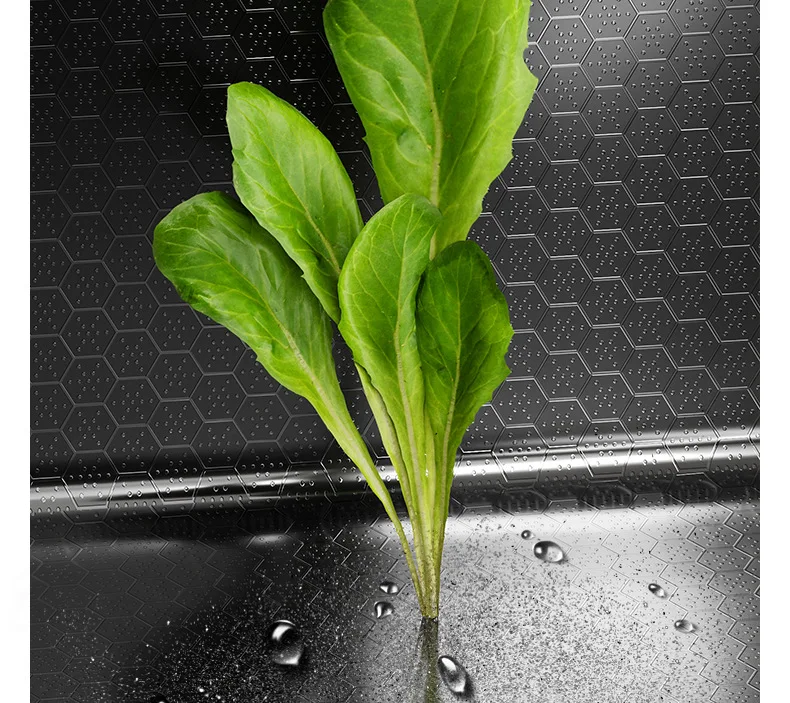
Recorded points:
425,687
166,604
597,474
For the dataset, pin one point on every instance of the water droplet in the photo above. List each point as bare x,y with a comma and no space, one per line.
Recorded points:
382,609
656,590
685,626
157,698
453,674
287,641
526,534
548,551
201,689
389,587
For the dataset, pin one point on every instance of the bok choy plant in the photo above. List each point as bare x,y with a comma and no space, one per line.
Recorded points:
441,88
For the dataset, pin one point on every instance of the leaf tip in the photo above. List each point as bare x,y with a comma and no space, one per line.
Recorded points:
238,89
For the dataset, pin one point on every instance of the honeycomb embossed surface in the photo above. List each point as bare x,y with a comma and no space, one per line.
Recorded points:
624,232
178,608
202,500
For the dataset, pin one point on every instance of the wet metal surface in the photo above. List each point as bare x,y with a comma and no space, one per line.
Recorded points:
135,606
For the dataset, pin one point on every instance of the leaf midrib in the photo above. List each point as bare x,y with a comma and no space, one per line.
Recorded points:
437,122
453,396
399,357
302,362
262,143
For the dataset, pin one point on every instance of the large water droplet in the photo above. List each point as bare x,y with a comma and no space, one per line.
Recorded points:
656,590
287,642
389,587
548,551
157,698
685,626
453,674
526,534
382,609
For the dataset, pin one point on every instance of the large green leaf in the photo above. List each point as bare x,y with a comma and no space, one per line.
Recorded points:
378,288
463,332
441,87
228,267
289,176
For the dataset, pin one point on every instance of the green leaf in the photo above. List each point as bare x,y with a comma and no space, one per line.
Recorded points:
441,87
291,179
378,288
228,267
463,332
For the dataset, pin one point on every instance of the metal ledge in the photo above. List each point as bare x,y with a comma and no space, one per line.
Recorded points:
598,472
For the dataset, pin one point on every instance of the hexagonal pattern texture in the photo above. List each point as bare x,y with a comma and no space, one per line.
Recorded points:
624,233
141,607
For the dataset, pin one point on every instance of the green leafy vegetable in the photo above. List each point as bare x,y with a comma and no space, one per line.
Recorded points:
288,175
378,295
378,289
463,331
441,87
229,268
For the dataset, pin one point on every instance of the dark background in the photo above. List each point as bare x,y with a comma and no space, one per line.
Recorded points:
625,234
